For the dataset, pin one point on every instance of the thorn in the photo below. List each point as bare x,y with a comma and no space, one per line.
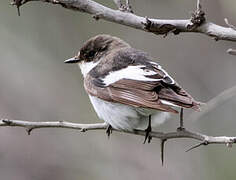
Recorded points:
216,38
29,130
96,16
229,144
162,150
197,145
147,24
17,3
83,130
165,35
18,10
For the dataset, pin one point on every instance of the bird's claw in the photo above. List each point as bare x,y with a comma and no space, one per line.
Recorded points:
147,132
147,135
109,130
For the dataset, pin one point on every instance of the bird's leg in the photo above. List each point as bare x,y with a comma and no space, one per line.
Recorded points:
109,130
148,130
181,120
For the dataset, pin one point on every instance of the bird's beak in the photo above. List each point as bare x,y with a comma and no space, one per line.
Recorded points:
73,60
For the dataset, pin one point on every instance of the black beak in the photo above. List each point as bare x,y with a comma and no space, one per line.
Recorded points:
72,60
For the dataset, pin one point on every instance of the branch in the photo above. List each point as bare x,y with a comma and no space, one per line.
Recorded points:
180,133
29,125
213,103
196,24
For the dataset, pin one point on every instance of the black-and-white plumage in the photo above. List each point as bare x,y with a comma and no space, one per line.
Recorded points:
126,86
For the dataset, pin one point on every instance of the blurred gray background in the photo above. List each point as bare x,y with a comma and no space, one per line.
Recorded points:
36,85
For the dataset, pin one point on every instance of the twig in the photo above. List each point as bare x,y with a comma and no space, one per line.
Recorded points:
128,7
199,5
159,26
29,125
118,3
162,150
230,25
123,7
231,51
196,146
197,18
213,103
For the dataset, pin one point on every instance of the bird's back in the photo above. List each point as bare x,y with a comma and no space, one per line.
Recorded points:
132,77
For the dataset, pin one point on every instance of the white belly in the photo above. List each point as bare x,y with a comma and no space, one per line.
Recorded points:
125,117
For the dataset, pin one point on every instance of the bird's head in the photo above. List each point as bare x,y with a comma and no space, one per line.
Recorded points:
94,50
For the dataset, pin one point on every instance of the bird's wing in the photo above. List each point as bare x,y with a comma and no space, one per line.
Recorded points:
141,84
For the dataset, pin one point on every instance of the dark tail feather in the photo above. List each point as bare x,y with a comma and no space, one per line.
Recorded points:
182,99
197,105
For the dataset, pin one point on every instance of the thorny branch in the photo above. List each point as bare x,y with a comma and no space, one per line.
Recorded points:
197,23
180,133
30,125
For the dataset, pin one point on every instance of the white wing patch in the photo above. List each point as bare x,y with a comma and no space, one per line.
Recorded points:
168,103
130,72
138,73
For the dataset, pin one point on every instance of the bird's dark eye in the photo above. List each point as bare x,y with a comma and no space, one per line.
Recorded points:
91,53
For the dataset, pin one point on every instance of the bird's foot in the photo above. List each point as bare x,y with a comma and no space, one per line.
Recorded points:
147,132
147,135
109,130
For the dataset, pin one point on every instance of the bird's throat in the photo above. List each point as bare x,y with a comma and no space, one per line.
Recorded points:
87,66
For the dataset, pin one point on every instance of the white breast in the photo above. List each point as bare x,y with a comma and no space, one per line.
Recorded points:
125,117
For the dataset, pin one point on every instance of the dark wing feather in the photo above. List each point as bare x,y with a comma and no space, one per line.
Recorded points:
144,96
140,93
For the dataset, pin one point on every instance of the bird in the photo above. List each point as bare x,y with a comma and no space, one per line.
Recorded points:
127,87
